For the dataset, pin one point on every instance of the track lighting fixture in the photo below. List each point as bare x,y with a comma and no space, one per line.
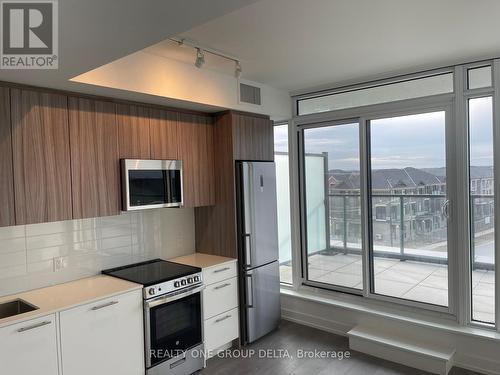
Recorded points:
200,58
200,55
237,69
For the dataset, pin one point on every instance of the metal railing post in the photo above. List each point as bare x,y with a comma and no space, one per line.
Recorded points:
401,228
345,223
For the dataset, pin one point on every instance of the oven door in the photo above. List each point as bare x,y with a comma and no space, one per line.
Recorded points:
173,324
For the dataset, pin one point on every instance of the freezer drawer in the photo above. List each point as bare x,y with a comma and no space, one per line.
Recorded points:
262,310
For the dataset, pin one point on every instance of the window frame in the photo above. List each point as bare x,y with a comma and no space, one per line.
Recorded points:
290,170
448,108
303,223
459,308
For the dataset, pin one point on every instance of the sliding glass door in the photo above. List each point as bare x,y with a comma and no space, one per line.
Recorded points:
331,163
409,207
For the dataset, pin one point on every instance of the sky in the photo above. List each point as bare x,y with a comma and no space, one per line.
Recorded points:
408,141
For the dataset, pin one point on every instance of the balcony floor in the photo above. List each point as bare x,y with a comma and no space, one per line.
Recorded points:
418,281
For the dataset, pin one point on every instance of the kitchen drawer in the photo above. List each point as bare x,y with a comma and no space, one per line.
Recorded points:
220,297
221,329
220,272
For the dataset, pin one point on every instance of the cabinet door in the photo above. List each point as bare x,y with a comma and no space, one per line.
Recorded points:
95,164
163,132
40,140
104,337
7,216
221,329
133,131
253,138
29,347
196,150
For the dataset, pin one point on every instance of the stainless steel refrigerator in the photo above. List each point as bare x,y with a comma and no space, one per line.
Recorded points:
258,249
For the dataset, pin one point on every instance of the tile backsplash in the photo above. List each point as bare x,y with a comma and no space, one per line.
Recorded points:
82,248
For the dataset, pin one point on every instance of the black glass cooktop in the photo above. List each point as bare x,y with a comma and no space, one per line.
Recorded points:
152,272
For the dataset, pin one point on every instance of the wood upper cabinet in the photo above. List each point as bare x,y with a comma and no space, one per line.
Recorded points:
196,150
253,137
95,165
7,214
41,156
163,133
133,131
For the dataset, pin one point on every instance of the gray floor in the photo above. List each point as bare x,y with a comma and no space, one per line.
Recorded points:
292,337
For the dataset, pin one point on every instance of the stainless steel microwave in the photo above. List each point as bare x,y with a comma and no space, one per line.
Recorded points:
151,184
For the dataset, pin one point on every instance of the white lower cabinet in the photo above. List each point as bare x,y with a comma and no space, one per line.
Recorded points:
220,297
220,306
105,337
221,330
29,347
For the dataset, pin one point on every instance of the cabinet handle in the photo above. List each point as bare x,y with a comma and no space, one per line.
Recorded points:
222,286
104,305
222,269
38,325
222,319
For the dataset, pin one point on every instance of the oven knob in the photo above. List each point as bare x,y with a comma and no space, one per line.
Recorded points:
197,278
177,284
151,291
190,280
183,282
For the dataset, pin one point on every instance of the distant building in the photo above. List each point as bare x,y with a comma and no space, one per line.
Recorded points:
407,204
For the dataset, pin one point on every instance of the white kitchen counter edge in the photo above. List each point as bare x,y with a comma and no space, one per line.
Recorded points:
101,287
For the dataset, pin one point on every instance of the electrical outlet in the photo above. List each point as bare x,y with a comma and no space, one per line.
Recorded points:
60,263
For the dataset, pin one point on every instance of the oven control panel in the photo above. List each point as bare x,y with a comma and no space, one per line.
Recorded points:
173,285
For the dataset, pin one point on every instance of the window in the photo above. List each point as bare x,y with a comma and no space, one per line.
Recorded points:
333,205
283,201
479,77
387,211
481,209
408,153
407,89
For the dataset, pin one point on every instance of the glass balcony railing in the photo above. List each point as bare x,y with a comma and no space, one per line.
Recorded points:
409,227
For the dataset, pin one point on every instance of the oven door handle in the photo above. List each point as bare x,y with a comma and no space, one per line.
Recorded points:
167,299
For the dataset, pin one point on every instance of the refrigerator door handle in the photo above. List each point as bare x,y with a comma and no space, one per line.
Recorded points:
249,281
248,248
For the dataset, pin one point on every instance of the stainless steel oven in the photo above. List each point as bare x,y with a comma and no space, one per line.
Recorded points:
173,314
151,184
174,332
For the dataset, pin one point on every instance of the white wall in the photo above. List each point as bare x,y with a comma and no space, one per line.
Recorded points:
157,75
90,245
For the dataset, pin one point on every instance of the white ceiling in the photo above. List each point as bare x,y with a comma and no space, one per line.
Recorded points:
95,32
297,44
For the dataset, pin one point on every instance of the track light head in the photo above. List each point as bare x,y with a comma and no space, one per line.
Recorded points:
200,58
237,69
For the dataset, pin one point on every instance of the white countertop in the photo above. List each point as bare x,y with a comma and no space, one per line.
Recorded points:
64,296
202,260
